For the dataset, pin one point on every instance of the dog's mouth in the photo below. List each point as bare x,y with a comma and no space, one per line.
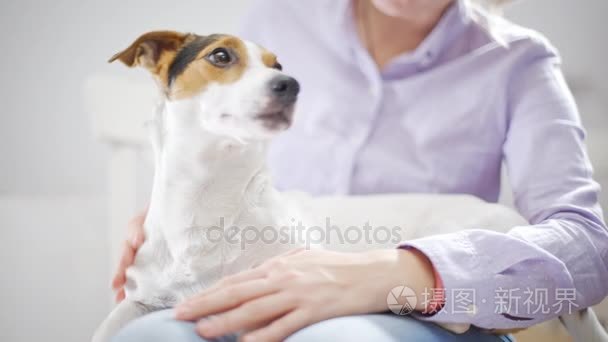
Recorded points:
277,120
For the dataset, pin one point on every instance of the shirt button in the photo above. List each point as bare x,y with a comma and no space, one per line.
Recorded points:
427,59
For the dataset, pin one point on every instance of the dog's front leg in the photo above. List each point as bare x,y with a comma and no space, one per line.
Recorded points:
122,314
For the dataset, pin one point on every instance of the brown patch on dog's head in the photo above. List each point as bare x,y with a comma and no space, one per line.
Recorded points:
270,60
200,63
185,64
154,51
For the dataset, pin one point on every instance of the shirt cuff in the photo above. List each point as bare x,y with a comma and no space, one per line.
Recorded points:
437,302
472,265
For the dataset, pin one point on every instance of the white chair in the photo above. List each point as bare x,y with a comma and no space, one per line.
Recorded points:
119,107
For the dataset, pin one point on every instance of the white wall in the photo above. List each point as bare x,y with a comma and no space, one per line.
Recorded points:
53,251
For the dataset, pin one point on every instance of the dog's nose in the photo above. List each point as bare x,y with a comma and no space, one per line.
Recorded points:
285,87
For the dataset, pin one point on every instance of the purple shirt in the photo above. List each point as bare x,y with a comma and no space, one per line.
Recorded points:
478,91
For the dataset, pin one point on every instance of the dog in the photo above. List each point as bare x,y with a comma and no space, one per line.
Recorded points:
223,100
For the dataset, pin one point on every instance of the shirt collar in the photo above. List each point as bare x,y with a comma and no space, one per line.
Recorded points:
453,22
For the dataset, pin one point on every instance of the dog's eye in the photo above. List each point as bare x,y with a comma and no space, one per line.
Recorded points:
277,66
220,57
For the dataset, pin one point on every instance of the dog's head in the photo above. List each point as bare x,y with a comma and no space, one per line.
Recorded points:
238,87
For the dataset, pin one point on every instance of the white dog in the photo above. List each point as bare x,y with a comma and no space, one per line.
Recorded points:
224,99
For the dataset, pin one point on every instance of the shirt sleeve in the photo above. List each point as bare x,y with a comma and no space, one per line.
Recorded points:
555,265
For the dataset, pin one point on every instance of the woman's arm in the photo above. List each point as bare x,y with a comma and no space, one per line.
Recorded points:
558,263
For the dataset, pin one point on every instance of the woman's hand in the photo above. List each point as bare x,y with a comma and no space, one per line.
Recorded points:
135,237
299,288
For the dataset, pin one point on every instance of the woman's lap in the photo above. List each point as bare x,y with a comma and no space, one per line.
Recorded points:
160,326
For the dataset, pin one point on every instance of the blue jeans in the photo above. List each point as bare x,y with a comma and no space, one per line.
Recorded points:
162,327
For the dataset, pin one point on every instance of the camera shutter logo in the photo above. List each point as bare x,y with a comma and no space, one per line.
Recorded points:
401,300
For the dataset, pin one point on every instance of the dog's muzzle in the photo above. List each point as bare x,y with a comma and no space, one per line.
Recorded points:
283,93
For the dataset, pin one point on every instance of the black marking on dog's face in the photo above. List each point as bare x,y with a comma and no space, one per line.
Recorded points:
188,54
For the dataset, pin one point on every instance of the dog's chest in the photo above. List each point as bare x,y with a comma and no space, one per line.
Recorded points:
166,271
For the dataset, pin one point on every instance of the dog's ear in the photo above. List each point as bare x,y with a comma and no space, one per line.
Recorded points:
148,50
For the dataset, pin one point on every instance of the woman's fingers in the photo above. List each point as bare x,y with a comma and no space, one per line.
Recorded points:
246,316
224,299
252,274
135,238
258,271
120,295
291,252
136,230
128,255
281,328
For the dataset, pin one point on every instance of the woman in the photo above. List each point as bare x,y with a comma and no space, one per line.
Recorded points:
414,96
